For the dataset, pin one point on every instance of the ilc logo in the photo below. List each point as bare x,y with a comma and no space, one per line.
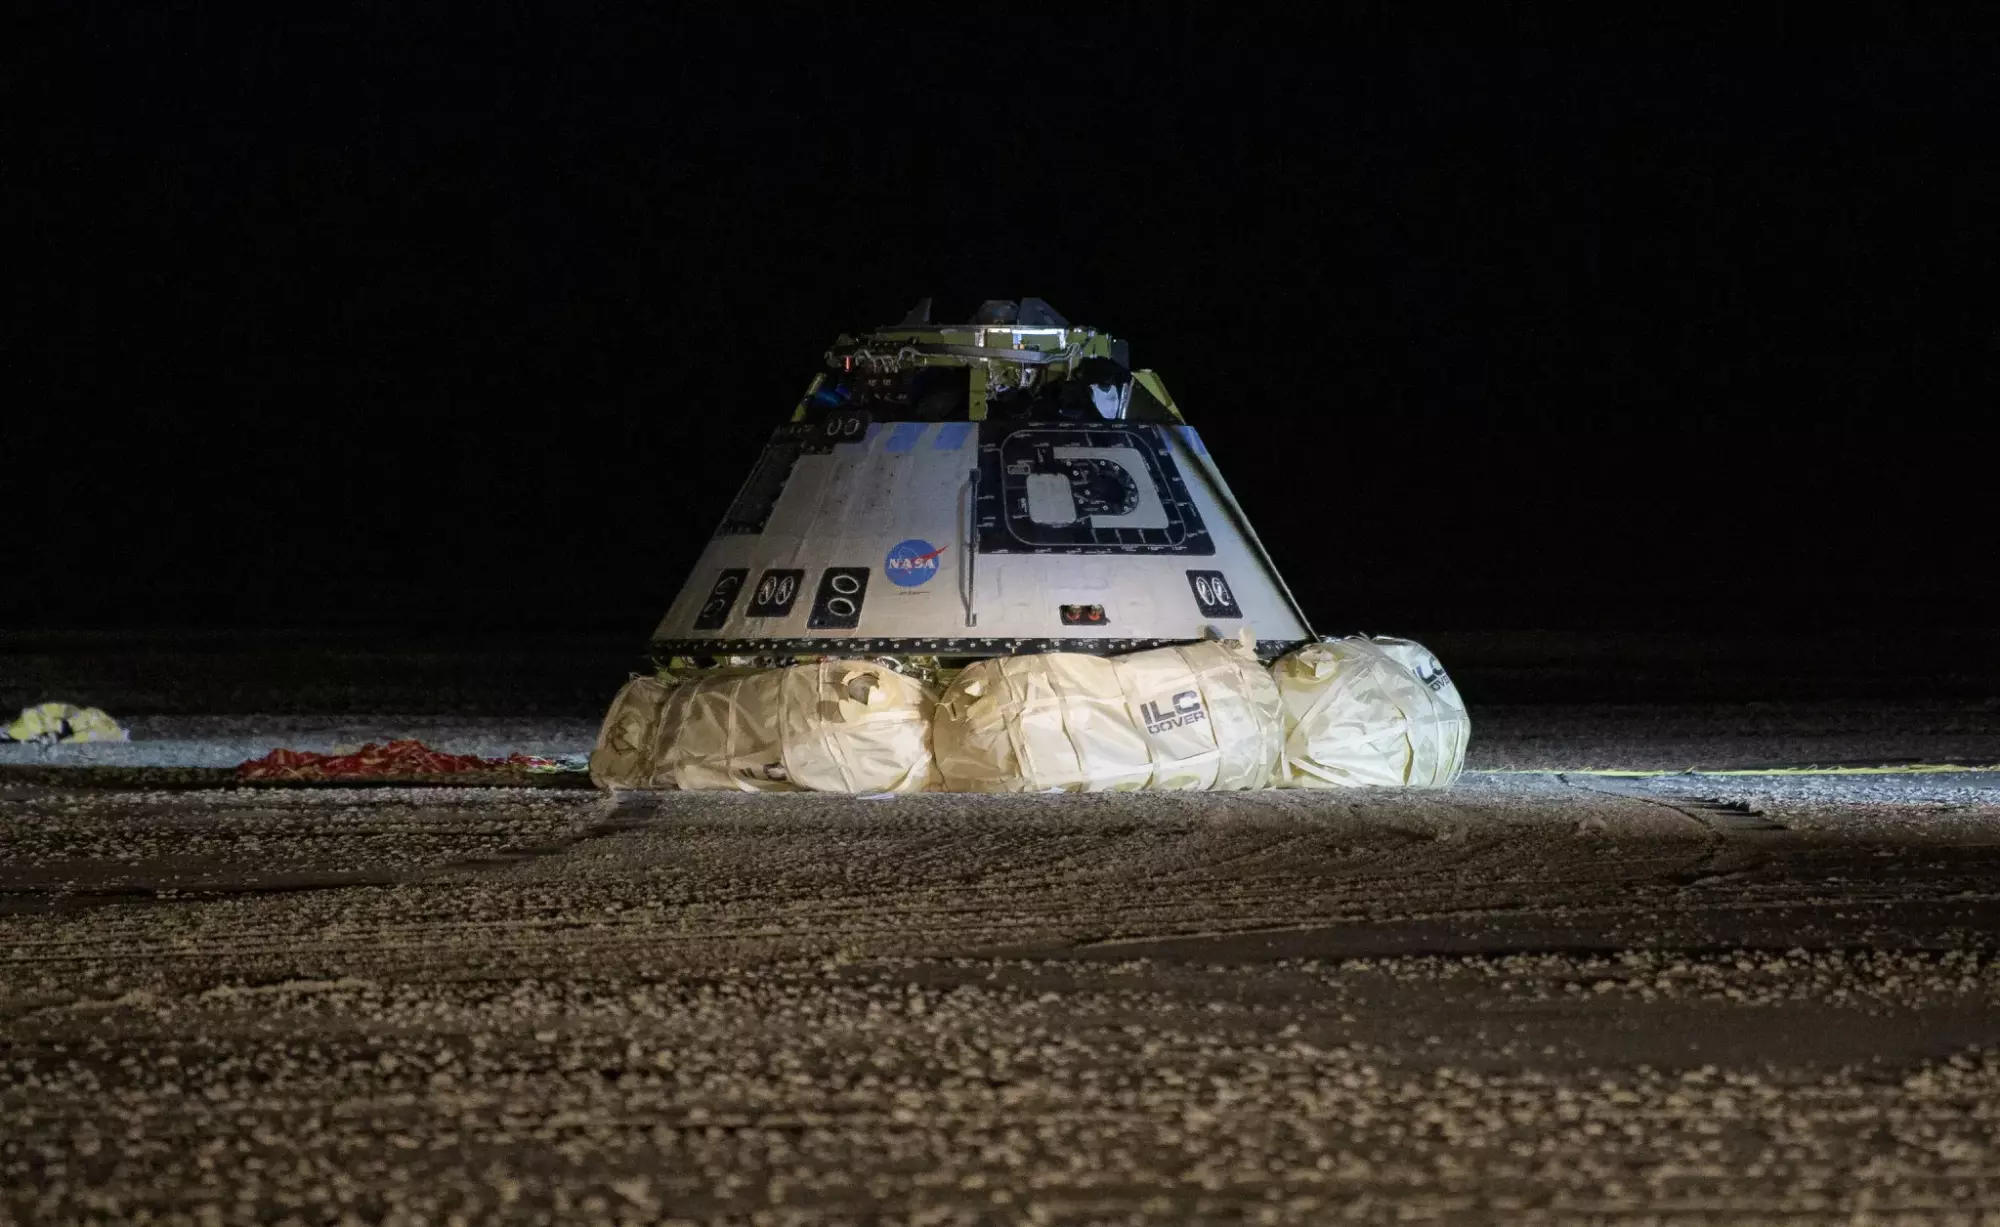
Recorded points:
1186,710
912,563
1435,679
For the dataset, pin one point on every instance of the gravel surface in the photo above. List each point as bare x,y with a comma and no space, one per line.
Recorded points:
1505,737
225,741
1674,737
1687,998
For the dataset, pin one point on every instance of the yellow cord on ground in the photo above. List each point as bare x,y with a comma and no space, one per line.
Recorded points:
1911,769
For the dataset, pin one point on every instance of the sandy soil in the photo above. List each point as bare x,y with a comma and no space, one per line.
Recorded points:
225,741
1752,1000
1507,737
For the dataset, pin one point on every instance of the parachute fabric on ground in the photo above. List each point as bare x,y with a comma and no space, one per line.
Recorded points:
51,723
623,756
1363,712
1192,716
90,724
404,758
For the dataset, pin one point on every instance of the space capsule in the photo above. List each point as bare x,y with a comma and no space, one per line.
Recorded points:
949,492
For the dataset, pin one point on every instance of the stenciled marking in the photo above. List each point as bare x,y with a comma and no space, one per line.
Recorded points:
1183,709
1434,677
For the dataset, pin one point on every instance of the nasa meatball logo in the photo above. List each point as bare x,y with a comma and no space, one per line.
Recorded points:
912,563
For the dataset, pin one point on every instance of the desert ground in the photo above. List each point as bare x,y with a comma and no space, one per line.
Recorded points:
1544,995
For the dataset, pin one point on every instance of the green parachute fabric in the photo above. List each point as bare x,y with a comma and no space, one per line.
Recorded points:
60,722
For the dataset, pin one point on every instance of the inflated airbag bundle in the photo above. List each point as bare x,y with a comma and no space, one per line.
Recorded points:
852,726
623,756
1210,713
723,733
1362,712
1032,723
830,726
1196,716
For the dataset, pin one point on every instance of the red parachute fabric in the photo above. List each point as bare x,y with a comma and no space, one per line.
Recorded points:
398,759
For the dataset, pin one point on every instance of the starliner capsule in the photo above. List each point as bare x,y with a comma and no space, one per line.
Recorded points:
945,493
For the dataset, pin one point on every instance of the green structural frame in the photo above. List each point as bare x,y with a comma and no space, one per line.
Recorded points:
993,366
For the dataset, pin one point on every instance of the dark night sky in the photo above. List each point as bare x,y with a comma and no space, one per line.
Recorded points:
365,323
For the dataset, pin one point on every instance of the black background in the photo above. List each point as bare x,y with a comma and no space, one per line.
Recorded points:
366,323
